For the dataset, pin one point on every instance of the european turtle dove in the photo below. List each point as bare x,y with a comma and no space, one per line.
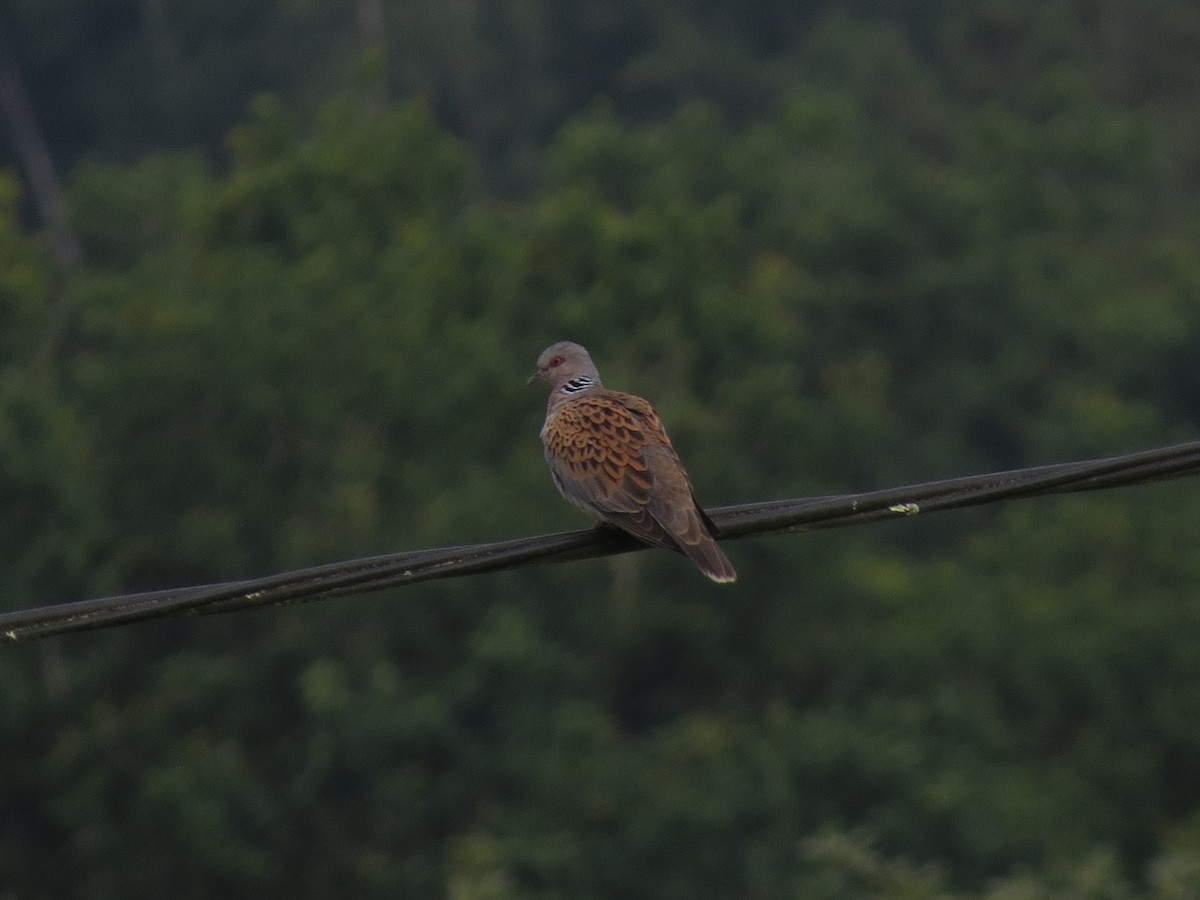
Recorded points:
610,455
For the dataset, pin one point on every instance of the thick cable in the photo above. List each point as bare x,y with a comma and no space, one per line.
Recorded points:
732,522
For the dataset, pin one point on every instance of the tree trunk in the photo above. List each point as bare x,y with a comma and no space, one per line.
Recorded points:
35,158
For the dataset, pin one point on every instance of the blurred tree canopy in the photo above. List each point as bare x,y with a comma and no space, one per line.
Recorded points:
840,246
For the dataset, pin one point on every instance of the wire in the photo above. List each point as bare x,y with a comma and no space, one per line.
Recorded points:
771,517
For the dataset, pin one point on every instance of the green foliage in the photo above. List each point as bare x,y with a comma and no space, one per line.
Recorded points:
893,248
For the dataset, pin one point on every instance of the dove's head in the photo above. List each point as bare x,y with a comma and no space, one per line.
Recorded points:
563,362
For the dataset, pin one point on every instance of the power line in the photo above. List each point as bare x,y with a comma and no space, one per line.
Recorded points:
771,517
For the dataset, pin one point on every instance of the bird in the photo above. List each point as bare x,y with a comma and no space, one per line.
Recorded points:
610,455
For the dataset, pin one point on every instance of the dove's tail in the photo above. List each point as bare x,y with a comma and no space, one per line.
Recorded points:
711,560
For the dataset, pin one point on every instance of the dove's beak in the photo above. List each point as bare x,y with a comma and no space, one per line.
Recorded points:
535,376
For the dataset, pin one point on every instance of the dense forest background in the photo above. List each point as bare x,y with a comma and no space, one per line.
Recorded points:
272,275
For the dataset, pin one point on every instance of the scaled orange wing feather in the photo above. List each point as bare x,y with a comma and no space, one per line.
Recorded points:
608,451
